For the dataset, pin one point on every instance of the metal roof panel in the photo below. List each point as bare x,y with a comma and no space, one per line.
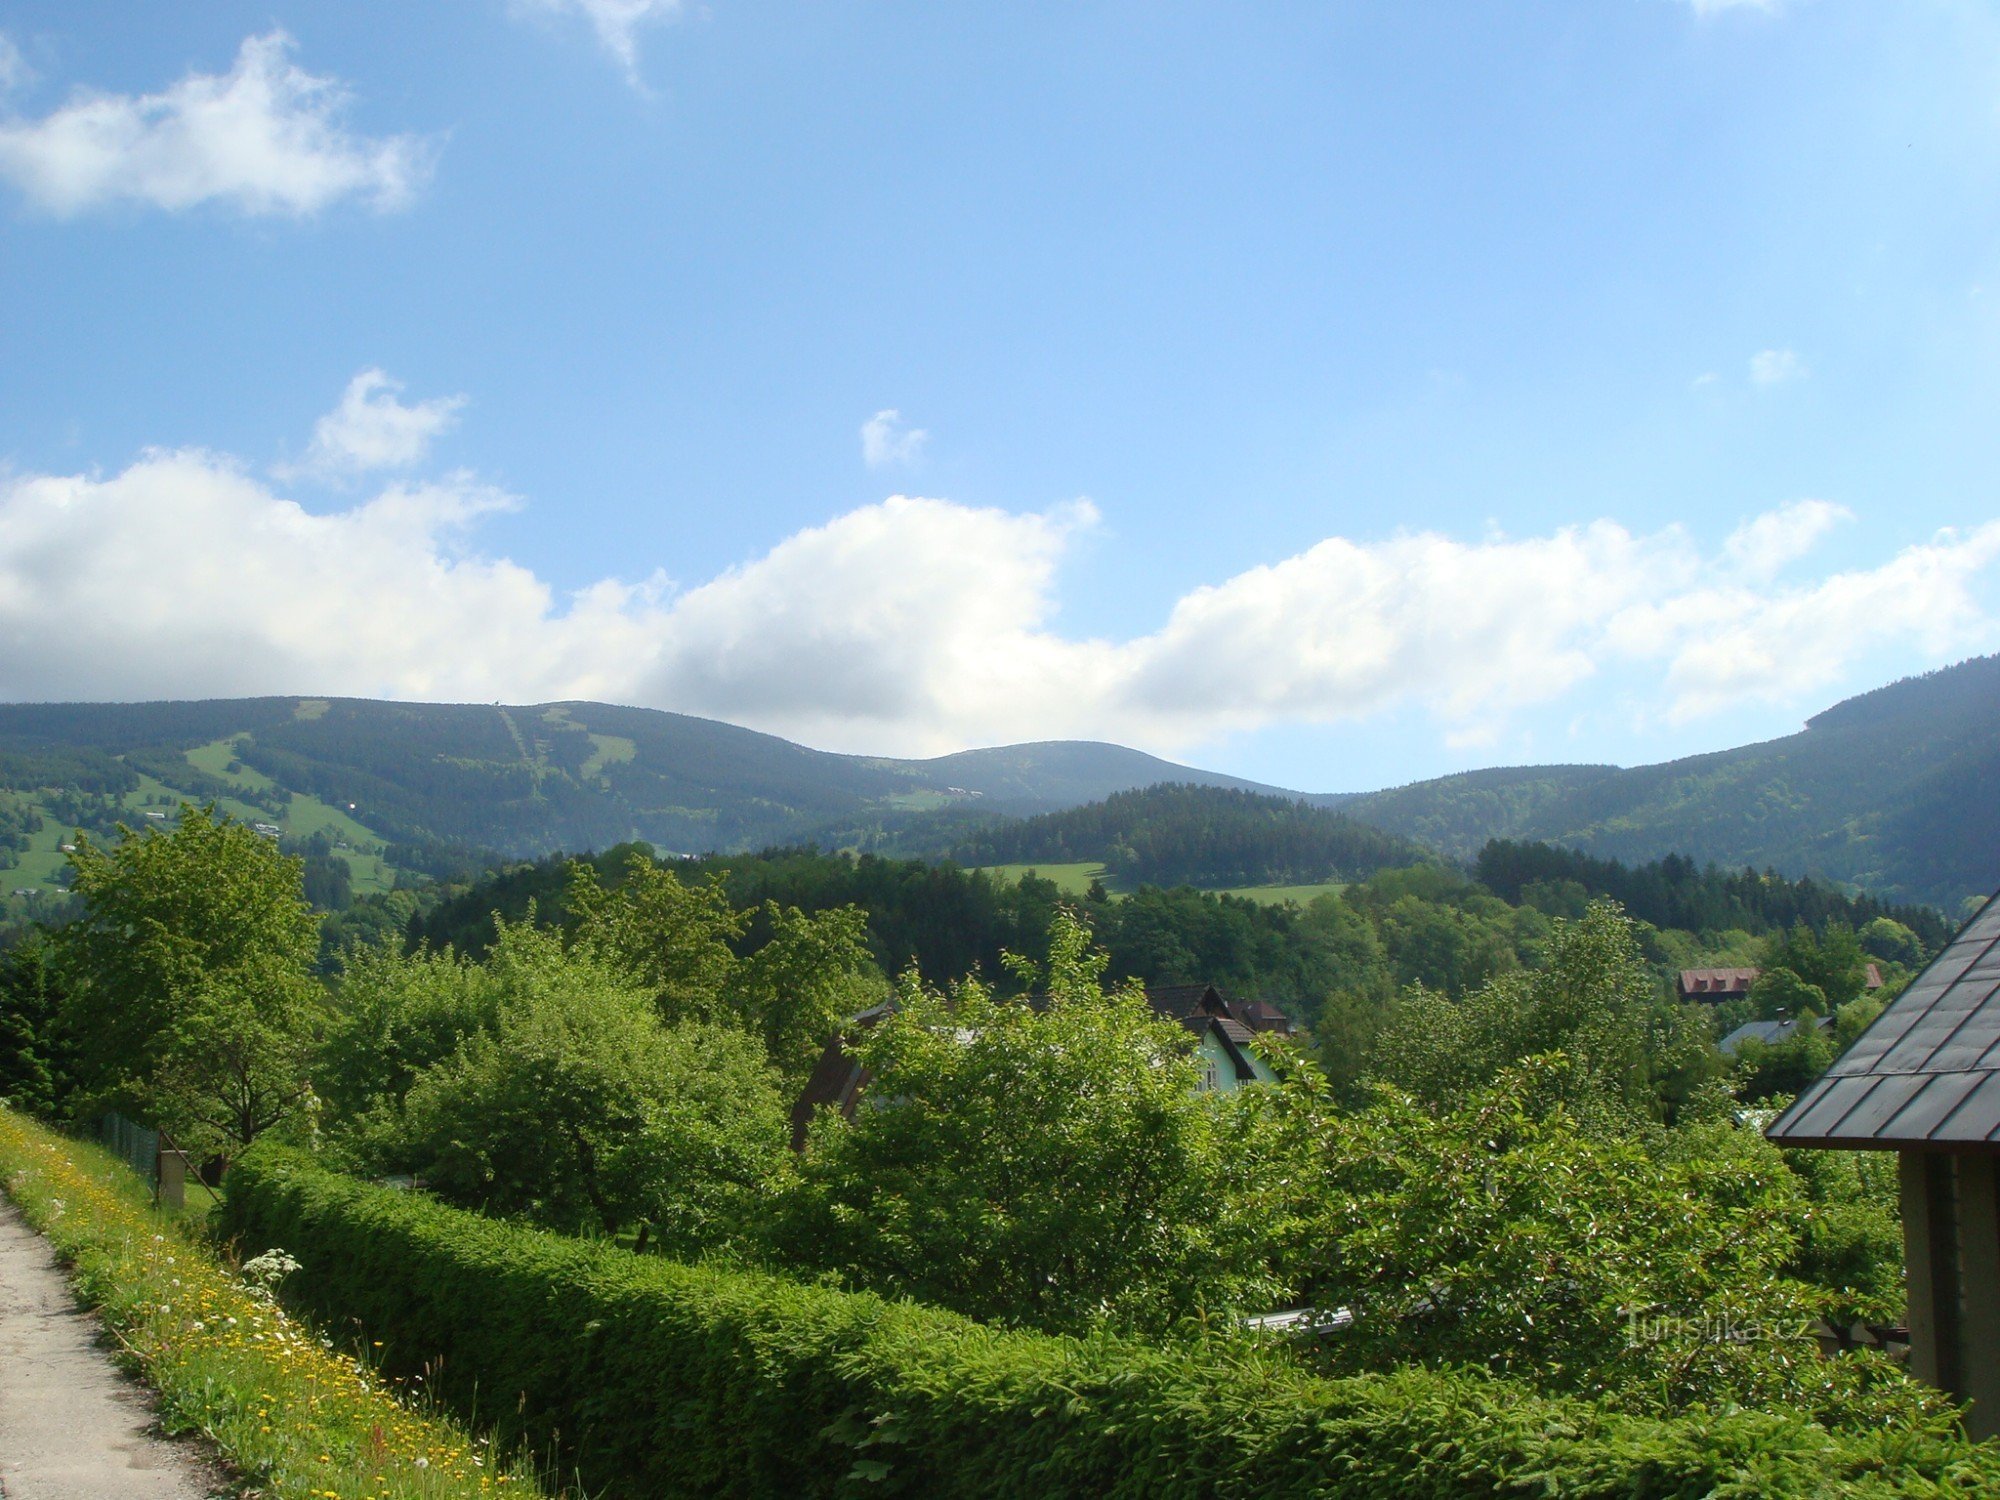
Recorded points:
1929,1106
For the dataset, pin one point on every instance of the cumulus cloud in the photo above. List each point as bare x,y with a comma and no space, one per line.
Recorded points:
183,573
1762,546
616,22
1776,367
887,439
264,138
371,429
918,625
1730,644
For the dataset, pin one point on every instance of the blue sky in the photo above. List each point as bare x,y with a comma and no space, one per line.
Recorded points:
1333,394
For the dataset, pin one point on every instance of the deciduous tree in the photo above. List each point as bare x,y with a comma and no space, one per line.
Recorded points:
189,976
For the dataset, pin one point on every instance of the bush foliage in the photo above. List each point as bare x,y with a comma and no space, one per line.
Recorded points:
659,1379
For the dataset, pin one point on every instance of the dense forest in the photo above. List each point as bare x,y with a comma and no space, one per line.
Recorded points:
1676,892
1338,960
1177,834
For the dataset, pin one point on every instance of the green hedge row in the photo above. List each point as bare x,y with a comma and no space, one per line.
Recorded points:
649,1378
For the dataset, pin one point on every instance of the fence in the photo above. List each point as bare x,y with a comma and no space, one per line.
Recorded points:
138,1144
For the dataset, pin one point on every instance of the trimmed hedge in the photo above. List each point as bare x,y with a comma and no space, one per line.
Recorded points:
648,1378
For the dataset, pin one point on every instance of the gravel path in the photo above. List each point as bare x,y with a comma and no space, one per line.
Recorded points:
72,1427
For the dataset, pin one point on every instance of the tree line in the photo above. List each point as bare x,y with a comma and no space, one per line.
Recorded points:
1179,834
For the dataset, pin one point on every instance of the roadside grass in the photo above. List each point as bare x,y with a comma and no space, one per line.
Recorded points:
296,1419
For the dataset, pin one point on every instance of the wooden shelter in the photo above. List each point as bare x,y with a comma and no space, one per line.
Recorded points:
1924,1082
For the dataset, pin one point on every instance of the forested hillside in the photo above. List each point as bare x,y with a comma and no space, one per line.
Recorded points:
431,788
1890,791
1177,834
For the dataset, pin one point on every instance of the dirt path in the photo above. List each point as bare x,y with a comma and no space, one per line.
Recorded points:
72,1427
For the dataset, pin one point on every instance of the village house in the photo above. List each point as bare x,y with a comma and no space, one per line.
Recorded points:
1770,1033
1717,985
1924,1081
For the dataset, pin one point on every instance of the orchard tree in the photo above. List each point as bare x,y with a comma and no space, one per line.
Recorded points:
1632,1056
1832,963
394,1015
1498,1233
811,973
189,978
1048,1164
671,937
577,1108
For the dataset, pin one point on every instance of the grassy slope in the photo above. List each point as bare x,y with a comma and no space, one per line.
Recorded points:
299,1421
1277,895
1070,879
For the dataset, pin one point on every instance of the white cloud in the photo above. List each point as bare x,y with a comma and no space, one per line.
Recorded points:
371,429
616,22
1762,546
14,70
886,439
918,625
1776,367
264,138
1732,644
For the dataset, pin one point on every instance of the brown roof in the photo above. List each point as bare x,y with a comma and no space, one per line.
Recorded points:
1927,1073
1261,1015
1711,983
1179,1001
837,1078
1732,984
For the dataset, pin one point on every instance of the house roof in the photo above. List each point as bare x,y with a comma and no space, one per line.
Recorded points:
1710,984
1716,981
1768,1032
1179,1001
1927,1073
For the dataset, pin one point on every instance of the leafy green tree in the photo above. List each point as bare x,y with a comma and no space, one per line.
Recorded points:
1890,941
393,1015
1501,1234
1050,1166
670,936
578,1108
1832,962
1781,992
189,977
236,1058
809,975
1633,1057
1765,1070
1852,1246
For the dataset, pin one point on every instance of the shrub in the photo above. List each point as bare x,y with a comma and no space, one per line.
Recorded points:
659,1379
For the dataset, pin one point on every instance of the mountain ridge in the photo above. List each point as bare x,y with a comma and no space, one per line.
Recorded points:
1889,790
